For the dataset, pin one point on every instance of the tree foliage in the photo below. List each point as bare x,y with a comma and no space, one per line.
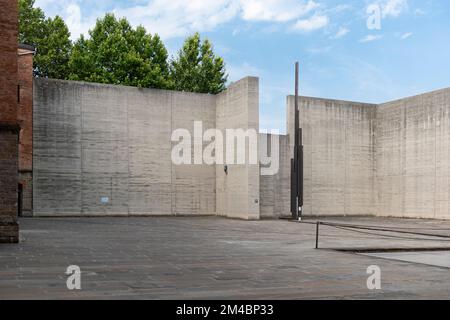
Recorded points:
116,53
197,68
31,23
53,54
50,37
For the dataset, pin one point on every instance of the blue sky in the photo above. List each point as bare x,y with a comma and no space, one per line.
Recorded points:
340,56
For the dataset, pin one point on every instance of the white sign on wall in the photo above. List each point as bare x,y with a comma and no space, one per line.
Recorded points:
104,199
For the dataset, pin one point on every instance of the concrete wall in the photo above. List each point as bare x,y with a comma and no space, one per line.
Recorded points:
275,189
338,138
385,160
413,156
194,186
9,129
238,191
106,150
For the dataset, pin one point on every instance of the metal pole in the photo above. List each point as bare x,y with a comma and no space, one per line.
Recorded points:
299,149
300,172
317,234
297,161
296,144
297,118
293,191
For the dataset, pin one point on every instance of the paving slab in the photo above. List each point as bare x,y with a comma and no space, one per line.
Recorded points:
434,258
214,258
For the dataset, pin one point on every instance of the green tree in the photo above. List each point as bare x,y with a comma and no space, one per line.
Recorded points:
81,63
53,51
197,68
31,23
50,37
116,53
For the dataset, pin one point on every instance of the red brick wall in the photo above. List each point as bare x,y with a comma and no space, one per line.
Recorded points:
25,111
8,61
8,121
25,119
8,185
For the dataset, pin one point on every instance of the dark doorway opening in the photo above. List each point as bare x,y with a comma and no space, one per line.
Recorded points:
20,200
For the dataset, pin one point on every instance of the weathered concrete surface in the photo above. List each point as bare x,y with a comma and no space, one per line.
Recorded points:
57,148
386,160
275,189
194,186
338,139
106,150
237,192
9,129
209,258
413,156
432,258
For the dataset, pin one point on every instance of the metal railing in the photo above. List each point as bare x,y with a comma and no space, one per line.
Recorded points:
364,229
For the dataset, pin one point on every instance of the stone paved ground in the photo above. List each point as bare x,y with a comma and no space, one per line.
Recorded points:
210,258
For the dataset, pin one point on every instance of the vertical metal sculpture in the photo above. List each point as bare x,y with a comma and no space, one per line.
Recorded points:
297,161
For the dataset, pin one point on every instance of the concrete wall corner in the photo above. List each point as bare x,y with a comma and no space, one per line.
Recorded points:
237,189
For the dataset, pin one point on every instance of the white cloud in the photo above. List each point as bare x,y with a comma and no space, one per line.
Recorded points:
316,22
406,35
75,23
181,17
342,32
275,10
44,3
72,13
341,8
393,8
370,38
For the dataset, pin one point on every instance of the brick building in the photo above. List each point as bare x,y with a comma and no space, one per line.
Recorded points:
9,128
25,120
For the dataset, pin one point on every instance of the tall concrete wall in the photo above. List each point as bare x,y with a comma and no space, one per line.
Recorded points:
275,189
194,186
238,191
413,156
106,150
385,160
338,138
